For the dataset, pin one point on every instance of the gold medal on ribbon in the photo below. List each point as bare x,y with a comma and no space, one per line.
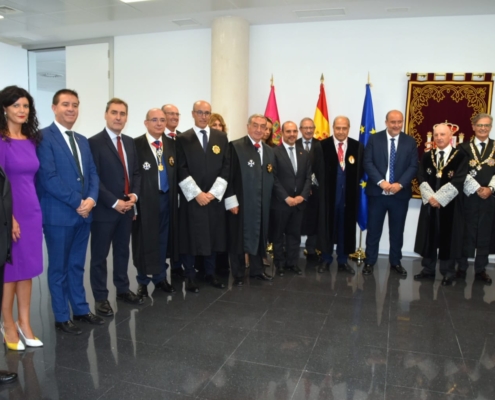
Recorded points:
491,162
269,168
216,149
439,174
351,159
472,163
171,161
160,167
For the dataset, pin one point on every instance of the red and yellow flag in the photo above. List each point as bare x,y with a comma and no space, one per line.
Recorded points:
272,113
322,126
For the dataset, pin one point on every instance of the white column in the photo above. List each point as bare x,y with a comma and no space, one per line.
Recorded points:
230,73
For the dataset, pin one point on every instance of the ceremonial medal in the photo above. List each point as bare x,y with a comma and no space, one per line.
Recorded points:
160,167
490,162
439,174
473,173
428,171
251,163
269,168
472,163
146,166
351,159
216,149
450,174
478,167
171,161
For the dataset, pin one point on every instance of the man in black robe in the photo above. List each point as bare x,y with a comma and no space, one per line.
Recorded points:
203,157
309,226
479,202
339,195
441,177
155,228
248,199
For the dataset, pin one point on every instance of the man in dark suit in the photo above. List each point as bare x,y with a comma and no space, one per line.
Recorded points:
67,184
248,199
116,162
292,174
203,157
155,225
309,226
391,162
343,168
5,243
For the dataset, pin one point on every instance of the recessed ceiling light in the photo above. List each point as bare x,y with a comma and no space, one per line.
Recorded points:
186,22
133,1
1,16
324,12
50,75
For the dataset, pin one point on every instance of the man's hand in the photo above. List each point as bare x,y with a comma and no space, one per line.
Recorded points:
202,199
434,202
394,188
210,196
291,201
298,199
385,186
121,206
85,208
234,210
132,198
484,192
16,230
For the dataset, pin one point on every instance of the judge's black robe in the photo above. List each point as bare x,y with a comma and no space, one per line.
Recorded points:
442,228
310,219
328,186
145,229
253,188
202,229
478,213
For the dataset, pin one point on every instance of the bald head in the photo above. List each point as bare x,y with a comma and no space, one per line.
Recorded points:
201,113
394,122
155,122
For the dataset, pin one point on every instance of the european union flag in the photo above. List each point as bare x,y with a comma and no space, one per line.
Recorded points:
367,128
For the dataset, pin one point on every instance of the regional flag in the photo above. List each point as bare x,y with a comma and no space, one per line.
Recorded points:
322,127
272,113
367,128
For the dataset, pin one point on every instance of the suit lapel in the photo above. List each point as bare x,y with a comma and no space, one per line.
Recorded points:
64,146
285,156
384,145
110,144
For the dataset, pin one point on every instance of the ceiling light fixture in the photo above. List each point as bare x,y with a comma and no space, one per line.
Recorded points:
324,12
133,1
50,75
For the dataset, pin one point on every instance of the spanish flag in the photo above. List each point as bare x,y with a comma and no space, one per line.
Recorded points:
322,127
271,112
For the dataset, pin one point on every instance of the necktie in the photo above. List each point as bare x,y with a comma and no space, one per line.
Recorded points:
257,145
172,135
74,154
440,159
340,154
122,160
205,139
482,144
292,159
306,145
161,169
391,166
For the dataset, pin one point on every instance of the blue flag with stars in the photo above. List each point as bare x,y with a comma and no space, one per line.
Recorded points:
367,128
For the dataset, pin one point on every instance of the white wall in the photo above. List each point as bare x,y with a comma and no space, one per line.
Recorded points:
44,107
13,66
154,69
345,51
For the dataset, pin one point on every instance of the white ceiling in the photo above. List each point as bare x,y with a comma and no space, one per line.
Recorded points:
56,21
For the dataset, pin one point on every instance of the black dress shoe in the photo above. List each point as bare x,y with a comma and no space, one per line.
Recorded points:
130,297
367,269
399,269
280,271
295,269
238,281
263,277
165,286
68,327
447,281
311,256
103,308
142,291
90,318
191,286
346,267
213,281
423,275
7,377
483,276
460,274
323,267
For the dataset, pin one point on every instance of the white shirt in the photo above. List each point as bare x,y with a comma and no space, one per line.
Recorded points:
168,131
344,147
289,152
62,130
309,144
200,135
478,142
446,154
396,142
151,139
260,150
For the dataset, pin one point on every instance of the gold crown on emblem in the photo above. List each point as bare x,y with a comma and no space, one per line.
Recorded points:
453,127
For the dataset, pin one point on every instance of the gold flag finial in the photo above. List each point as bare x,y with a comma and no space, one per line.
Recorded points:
322,79
271,81
369,81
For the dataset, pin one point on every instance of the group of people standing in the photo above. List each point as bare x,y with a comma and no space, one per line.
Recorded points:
183,195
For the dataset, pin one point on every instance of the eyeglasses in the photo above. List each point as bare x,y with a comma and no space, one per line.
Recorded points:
155,120
483,125
172,114
203,113
308,128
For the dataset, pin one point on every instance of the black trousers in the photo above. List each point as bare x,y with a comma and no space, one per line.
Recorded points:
104,234
286,221
238,261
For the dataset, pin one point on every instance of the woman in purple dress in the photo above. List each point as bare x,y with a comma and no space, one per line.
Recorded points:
19,135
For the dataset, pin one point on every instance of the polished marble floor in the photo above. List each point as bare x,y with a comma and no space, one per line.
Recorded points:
315,336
